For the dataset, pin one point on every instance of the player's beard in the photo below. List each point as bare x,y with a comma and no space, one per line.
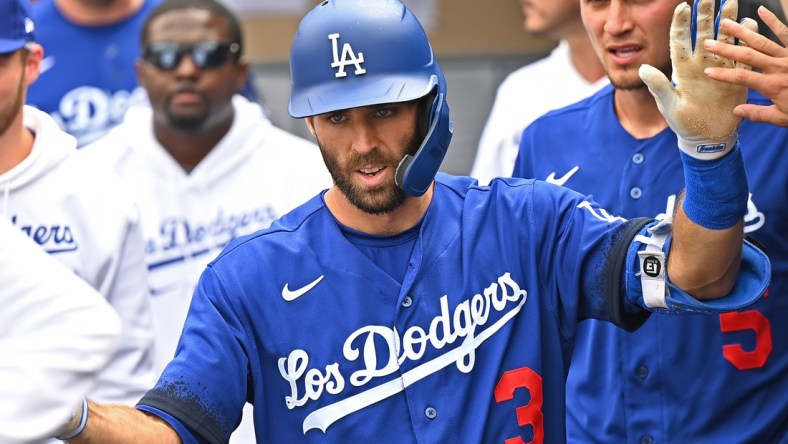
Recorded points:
187,122
98,3
379,200
8,114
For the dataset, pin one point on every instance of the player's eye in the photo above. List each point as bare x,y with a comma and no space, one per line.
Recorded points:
336,117
384,112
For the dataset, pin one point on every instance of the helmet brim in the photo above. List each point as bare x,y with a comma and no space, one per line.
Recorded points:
367,90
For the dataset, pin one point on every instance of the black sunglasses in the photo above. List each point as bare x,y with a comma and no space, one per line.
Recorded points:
205,55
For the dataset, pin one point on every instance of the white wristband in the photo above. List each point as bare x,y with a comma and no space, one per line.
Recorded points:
653,264
77,423
708,150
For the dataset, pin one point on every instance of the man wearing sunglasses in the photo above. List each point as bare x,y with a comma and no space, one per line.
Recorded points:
206,165
101,35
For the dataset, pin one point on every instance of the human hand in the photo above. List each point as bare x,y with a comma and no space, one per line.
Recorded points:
759,52
698,109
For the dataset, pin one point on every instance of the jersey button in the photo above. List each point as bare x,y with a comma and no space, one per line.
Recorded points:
407,301
642,372
635,193
638,158
430,412
646,440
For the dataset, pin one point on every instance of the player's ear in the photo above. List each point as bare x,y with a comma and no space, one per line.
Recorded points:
34,54
310,125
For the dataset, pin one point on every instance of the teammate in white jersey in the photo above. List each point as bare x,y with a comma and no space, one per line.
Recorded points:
571,72
56,333
403,305
206,164
79,213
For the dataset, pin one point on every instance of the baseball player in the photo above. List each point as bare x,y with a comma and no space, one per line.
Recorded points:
79,213
710,378
206,165
87,75
405,306
57,333
571,72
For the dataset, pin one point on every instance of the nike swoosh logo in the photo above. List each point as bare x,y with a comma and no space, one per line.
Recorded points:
291,295
562,180
46,64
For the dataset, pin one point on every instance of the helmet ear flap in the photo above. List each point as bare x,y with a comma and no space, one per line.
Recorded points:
416,172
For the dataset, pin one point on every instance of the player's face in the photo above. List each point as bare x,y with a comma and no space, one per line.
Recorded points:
18,69
183,95
629,33
362,148
546,18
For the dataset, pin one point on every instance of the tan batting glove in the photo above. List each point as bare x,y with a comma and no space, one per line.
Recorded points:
699,110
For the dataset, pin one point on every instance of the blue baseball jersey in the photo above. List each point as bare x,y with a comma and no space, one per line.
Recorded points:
700,378
88,79
473,345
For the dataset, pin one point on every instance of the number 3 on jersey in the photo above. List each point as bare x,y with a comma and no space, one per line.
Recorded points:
529,414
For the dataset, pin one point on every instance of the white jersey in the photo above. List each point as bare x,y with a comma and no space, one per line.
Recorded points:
527,93
56,333
85,217
254,175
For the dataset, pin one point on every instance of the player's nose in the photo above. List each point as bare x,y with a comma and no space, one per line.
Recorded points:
187,68
618,20
365,137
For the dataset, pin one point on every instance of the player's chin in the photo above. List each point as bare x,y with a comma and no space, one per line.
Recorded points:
187,121
626,81
379,199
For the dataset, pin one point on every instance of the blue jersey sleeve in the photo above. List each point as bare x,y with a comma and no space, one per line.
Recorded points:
581,254
753,280
204,387
605,248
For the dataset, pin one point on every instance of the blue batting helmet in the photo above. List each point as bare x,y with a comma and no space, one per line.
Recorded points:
352,53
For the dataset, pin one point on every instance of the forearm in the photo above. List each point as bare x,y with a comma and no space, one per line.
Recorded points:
115,424
705,256
704,262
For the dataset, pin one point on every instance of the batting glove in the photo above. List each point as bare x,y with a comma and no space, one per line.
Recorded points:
699,110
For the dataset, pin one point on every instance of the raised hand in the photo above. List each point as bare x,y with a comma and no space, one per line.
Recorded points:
768,57
698,109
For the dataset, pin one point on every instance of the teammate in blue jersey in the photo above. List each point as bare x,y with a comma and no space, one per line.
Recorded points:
404,306
709,378
87,75
88,80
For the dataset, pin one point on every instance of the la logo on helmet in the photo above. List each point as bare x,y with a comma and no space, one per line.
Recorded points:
348,57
